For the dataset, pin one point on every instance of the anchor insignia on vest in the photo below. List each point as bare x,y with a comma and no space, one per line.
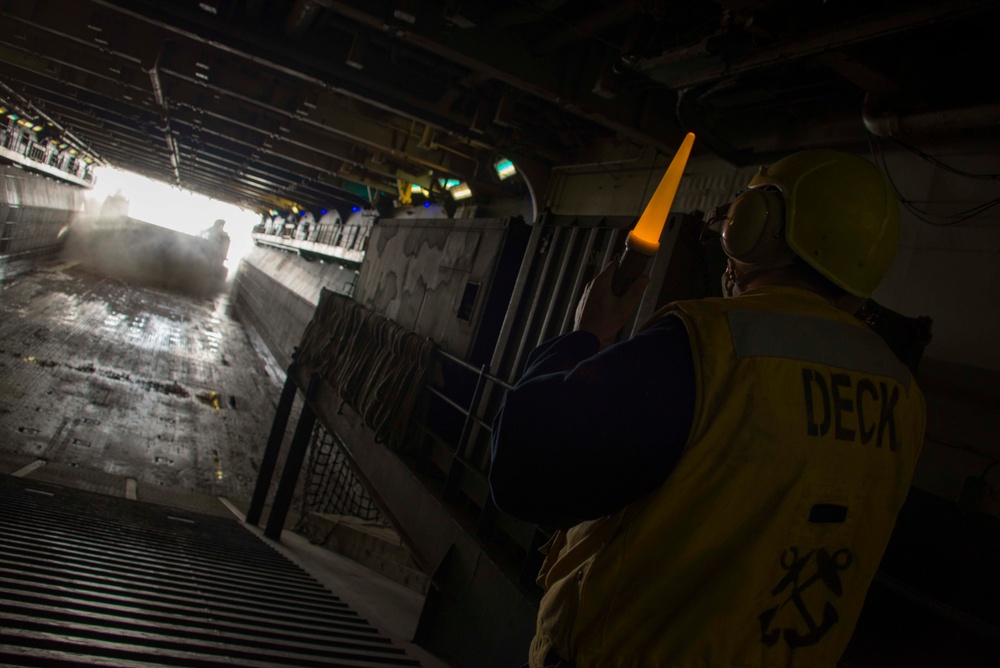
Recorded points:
827,569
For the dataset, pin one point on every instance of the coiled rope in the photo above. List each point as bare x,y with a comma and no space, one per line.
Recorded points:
376,366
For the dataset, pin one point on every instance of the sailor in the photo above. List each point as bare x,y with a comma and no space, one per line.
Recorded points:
726,480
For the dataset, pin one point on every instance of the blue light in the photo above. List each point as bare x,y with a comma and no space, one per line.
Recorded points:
426,204
322,212
355,209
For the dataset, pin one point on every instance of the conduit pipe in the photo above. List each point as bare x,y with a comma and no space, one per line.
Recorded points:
884,123
161,99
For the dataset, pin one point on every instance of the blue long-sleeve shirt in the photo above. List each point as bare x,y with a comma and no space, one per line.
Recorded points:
584,433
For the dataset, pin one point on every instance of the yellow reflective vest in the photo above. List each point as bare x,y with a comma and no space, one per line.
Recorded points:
759,547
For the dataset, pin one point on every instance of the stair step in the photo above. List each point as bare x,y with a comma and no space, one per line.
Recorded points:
92,579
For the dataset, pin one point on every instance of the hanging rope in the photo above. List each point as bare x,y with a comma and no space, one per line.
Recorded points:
376,365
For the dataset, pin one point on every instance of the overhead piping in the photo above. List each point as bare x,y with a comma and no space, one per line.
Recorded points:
691,119
154,78
814,43
884,123
161,99
588,26
430,43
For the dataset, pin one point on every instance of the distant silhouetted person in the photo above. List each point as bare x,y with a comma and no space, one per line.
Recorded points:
219,238
114,210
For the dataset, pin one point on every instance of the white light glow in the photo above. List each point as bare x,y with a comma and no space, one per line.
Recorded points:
161,204
461,191
505,169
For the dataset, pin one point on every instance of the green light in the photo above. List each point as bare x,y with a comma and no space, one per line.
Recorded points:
505,168
448,184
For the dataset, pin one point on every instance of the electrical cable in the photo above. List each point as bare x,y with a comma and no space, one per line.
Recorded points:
921,214
966,448
982,476
980,453
935,161
950,220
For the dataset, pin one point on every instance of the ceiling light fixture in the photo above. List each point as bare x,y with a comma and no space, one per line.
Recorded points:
461,191
505,168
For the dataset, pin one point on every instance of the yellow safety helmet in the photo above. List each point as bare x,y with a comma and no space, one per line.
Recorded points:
838,213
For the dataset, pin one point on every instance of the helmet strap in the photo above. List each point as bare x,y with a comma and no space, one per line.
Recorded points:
734,283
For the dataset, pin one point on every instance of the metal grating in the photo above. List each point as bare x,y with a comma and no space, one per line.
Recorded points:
92,580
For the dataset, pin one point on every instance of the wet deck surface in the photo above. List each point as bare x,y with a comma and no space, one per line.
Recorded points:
106,381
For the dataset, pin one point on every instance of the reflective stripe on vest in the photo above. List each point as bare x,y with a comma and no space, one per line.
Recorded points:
808,338
759,547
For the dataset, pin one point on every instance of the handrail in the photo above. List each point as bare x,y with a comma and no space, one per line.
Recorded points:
471,412
19,148
452,466
462,363
464,411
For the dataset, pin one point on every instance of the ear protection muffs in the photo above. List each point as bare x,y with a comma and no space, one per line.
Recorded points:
754,230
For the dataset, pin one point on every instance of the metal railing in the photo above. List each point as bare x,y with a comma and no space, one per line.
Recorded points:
464,461
44,156
483,376
344,242
460,463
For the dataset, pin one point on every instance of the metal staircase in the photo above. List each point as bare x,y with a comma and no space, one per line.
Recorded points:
93,580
